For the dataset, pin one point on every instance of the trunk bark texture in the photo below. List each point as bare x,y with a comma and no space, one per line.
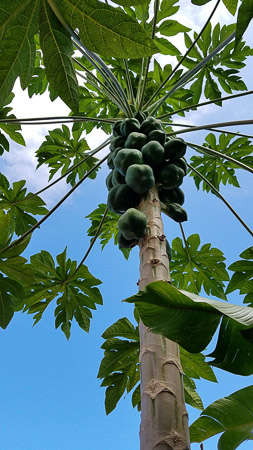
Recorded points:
164,419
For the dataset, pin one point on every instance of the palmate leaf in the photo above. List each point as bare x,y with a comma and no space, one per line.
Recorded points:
76,292
129,2
19,205
193,268
107,30
191,321
222,71
109,229
18,25
232,416
18,273
57,51
119,367
63,149
217,170
242,277
12,129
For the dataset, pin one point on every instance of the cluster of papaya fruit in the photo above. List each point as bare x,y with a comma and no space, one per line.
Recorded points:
141,157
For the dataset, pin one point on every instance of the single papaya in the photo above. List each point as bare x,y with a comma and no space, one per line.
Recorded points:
126,243
140,116
110,163
181,162
150,124
117,178
176,212
168,196
128,126
170,176
116,128
122,197
153,154
136,140
118,141
157,135
174,149
108,181
132,224
126,157
140,178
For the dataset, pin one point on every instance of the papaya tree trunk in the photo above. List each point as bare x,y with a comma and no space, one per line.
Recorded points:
164,419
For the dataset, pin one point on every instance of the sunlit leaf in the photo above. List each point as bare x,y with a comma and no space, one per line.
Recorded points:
242,277
232,416
245,15
107,30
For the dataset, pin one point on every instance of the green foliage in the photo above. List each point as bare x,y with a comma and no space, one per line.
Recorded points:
57,51
18,204
231,416
245,15
242,277
109,229
214,71
15,273
119,367
193,268
216,169
11,129
178,314
62,150
74,290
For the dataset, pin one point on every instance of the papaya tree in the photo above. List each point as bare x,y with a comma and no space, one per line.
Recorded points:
128,67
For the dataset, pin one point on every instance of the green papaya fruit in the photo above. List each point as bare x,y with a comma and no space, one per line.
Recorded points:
128,126
181,162
174,149
150,124
110,163
176,212
136,140
108,181
122,197
140,116
118,141
157,135
126,243
125,158
117,178
132,224
170,176
140,178
153,154
168,196
116,128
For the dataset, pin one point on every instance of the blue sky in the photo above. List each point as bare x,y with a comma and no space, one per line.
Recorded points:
50,396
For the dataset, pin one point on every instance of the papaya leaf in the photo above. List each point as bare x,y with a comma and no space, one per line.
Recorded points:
242,277
191,321
11,293
231,5
76,292
217,170
12,129
129,2
171,28
19,24
232,416
57,51
18,204
63,149
193,268
214,75
245,15
107,30
120,366
109,228
190,393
